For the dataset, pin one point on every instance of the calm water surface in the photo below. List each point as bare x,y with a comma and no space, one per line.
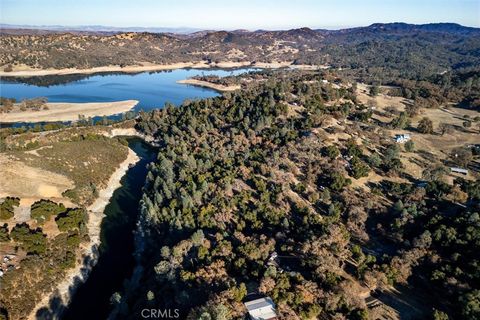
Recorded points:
115,264
151,89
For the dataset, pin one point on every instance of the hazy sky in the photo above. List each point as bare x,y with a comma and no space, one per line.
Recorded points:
245,14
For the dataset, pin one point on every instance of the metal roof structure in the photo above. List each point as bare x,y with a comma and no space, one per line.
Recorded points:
261,309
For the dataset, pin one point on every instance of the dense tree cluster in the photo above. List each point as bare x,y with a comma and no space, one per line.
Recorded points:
216,201
42,210
438,239
241,179
46,259
32,241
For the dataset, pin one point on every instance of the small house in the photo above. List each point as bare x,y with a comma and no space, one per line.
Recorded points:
402,138
459,170
261,309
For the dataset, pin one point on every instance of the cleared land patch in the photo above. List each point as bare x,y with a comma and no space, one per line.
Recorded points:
24,181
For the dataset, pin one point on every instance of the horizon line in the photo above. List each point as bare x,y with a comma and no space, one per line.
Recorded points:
196,29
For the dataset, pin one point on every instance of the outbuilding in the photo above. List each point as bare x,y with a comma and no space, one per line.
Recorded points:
261,309
459,170
402,138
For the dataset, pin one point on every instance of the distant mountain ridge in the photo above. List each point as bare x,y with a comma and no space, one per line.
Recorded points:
430,27
393,49
446,27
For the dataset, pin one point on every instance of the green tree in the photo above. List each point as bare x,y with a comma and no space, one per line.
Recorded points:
471,304
359,314
409,146
374,160
445,128
338,181
425,126
439,315
332,151
71,219
32,241
197,238
401,122
359,168
6,207
42,210
4,233
353,150
391,154
239,292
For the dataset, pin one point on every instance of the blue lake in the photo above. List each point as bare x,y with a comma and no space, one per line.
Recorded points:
151,89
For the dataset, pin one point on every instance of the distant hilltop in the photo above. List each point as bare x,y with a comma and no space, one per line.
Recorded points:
392,27
432,27
386,48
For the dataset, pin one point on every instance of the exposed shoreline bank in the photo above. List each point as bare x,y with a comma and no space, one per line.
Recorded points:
206,84
66,111
88,251
30,72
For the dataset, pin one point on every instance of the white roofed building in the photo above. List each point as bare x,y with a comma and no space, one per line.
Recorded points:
261,309
459,170
402,138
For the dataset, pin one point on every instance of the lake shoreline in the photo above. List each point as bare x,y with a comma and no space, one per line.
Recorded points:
88,251
210,85
68,111
30,72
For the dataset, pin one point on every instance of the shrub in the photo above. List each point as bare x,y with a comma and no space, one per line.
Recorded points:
6,207
401,122
425,126
8,68
409,146
338,181
43,209
359,168
32,241
332,152
4,233
71,219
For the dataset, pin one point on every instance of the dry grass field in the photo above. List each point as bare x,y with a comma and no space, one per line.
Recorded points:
433,147
65,167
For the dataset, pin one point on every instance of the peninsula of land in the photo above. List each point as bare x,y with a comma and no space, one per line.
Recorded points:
63,111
